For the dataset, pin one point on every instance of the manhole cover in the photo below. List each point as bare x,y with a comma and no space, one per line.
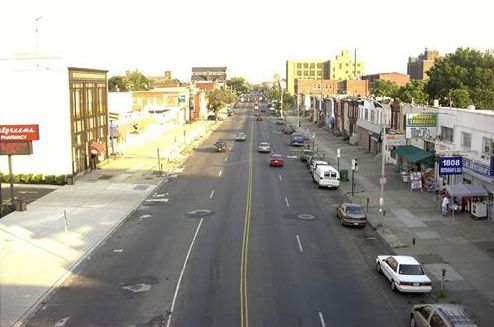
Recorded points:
305,216
105,176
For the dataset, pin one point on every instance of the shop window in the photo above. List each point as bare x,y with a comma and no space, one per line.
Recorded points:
466,140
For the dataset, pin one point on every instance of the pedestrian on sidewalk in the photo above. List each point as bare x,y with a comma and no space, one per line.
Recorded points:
444,205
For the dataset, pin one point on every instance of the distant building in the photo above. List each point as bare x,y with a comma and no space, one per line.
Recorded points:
165,80
303,69
418,67
345,67
398,78
209,74
316,86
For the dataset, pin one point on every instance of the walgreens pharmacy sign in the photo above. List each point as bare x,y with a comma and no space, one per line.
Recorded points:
19,133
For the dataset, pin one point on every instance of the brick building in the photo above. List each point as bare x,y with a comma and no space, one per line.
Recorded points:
418,67
398,78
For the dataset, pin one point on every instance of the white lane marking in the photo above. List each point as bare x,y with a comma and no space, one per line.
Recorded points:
211,195
221,172
299,244
323,324
287,203
226,158
279,176
144,216
118,250
291,157
159,195
157,200
62,322
182,272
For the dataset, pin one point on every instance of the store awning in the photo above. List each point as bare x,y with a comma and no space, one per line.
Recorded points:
414,154
461,190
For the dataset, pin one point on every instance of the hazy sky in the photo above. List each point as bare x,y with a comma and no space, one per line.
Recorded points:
252,38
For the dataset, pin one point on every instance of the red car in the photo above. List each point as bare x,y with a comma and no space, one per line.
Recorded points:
276,160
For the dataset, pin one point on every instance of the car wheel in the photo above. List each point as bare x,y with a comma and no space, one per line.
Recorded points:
341,222
413,323
378,268
393,286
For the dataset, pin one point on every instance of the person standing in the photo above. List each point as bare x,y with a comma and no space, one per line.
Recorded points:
444,205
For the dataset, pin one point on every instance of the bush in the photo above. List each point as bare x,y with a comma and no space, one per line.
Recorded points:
50,179
28,179
17,178
37,179
60,180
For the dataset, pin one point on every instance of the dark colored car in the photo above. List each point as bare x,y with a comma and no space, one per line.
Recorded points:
220,146
351,214
311,159
288,129
276,160
259,118
306,154
297,139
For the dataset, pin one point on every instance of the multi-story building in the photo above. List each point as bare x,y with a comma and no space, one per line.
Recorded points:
353,87
323,87
217,75
345,67
398,78
418,67
303,69
68,104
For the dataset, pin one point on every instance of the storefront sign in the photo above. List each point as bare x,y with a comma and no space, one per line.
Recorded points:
421,126
396,139
450,166
16,148
479,167
415,180
19,133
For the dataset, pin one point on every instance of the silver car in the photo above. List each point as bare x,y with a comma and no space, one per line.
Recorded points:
447,315
264,147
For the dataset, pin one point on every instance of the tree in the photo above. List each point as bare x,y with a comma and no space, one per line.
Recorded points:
117,84
460,98
275,95
136,81
413,91
238,84
465,71
384,88
217,99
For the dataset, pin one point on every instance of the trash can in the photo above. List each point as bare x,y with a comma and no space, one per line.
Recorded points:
344,175
69,179
20,205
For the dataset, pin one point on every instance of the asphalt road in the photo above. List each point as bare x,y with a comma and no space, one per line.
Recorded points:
247,245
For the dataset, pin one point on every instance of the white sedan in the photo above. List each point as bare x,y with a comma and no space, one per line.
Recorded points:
404,273
264,147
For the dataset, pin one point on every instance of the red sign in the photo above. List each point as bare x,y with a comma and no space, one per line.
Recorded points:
19,133
13,148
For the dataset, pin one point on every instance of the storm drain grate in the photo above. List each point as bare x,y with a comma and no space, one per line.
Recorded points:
105,177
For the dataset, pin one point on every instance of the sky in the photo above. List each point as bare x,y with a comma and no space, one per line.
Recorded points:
253,39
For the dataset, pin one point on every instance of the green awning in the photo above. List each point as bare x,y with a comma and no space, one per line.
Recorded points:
414,154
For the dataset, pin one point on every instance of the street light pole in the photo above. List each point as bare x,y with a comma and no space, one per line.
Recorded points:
298,112
382,181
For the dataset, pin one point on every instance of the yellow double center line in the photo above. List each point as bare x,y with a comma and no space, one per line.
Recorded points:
244,311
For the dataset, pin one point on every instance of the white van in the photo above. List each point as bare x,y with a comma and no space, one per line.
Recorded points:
326,176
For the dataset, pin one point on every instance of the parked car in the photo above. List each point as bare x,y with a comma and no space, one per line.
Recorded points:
444,315
306,154
240,136
314,157
276,160
404,273
280,121
315,164
288,129
220,146
351,214
264,147
326,176
297,139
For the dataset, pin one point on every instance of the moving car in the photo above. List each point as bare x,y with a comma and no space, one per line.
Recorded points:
280,121
220,146
264,147
240,136
276,160
288,129
297,139
351,214
441,314
404,273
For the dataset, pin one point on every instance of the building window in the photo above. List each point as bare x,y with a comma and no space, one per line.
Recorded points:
373,116
319,73
306,73
319,65
366,114
299,73
299,65
488,146
334,76
312,65
340,66
466,140
334,69
312,73
447,134
306,65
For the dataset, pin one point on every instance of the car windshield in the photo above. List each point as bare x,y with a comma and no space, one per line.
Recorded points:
411,270
355,210
263,144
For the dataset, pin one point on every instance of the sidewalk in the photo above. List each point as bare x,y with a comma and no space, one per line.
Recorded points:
41,247
463,246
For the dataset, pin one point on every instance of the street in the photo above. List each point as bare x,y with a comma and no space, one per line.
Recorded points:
231,241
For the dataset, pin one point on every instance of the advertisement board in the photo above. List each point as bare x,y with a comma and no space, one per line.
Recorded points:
396,139
450,166
10,133
16,148
421,126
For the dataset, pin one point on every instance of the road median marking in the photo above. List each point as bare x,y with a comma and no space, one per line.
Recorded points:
299,244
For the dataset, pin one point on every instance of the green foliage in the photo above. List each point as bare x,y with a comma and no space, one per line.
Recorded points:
50,179
28,178
414,91
383,88
465,71
136,81
217,99
238,85
60,180
460,98
37,179
117,83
